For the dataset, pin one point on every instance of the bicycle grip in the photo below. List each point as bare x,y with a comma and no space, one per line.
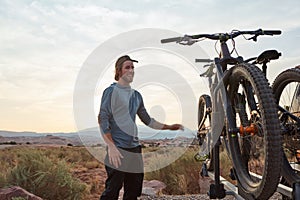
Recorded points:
272,32
175,39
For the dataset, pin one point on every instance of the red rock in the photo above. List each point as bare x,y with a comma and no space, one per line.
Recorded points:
153,187
15,191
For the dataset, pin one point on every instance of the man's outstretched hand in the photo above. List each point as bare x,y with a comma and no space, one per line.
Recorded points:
174,127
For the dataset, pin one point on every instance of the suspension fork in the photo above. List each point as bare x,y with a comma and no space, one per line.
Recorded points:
220,91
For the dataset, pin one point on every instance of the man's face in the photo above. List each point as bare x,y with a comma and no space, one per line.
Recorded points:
127,71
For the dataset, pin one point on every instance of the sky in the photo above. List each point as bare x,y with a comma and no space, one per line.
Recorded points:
44,45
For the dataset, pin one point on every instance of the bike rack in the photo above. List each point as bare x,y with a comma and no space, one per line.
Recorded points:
231,189
217,190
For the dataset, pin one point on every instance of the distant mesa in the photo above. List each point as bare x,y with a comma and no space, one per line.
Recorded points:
92,137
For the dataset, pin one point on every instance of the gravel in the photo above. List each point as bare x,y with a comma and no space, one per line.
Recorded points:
182,197
276,196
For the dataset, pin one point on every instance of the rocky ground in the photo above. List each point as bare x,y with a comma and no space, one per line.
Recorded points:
276,196
181,197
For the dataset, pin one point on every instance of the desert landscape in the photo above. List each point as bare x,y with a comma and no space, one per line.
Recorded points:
26,150
62,162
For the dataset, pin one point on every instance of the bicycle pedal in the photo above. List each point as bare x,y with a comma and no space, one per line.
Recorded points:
200,158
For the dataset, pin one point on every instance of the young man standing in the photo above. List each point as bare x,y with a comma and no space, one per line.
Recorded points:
119,106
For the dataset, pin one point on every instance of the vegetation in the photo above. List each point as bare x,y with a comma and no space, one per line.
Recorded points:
19,198
181,176
37,174
41,173
9,143
56,172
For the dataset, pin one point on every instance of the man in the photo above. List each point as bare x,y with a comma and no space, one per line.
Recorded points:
119,106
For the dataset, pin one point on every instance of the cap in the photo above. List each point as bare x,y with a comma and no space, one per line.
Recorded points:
122,59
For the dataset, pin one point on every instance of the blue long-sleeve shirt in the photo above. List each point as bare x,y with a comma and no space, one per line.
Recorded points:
119,107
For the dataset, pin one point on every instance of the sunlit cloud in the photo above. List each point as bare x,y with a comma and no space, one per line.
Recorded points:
45,43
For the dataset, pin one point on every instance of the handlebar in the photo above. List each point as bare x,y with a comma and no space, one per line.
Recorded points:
168,40
272,32
223,37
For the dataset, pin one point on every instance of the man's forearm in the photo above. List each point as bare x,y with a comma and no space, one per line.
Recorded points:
159,126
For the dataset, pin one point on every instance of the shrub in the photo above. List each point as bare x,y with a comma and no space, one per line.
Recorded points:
38,175
181,176
12,143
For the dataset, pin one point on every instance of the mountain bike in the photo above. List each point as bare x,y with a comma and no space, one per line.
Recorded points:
243,113
286,88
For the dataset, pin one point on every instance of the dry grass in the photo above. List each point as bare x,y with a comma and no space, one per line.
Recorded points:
180,176
32,168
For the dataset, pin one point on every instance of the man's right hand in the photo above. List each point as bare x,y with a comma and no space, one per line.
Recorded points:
114,155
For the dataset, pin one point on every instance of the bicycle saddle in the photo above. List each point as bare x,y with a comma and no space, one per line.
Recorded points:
266,56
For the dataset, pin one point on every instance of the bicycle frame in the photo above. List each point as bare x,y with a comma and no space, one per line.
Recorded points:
216,86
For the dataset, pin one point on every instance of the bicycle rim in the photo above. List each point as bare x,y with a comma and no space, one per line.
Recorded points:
286,88
255,148
204,127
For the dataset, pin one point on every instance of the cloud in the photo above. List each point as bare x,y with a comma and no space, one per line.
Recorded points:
44,43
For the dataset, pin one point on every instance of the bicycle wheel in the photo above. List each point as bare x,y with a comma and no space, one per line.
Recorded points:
286,88
256,144
204,130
